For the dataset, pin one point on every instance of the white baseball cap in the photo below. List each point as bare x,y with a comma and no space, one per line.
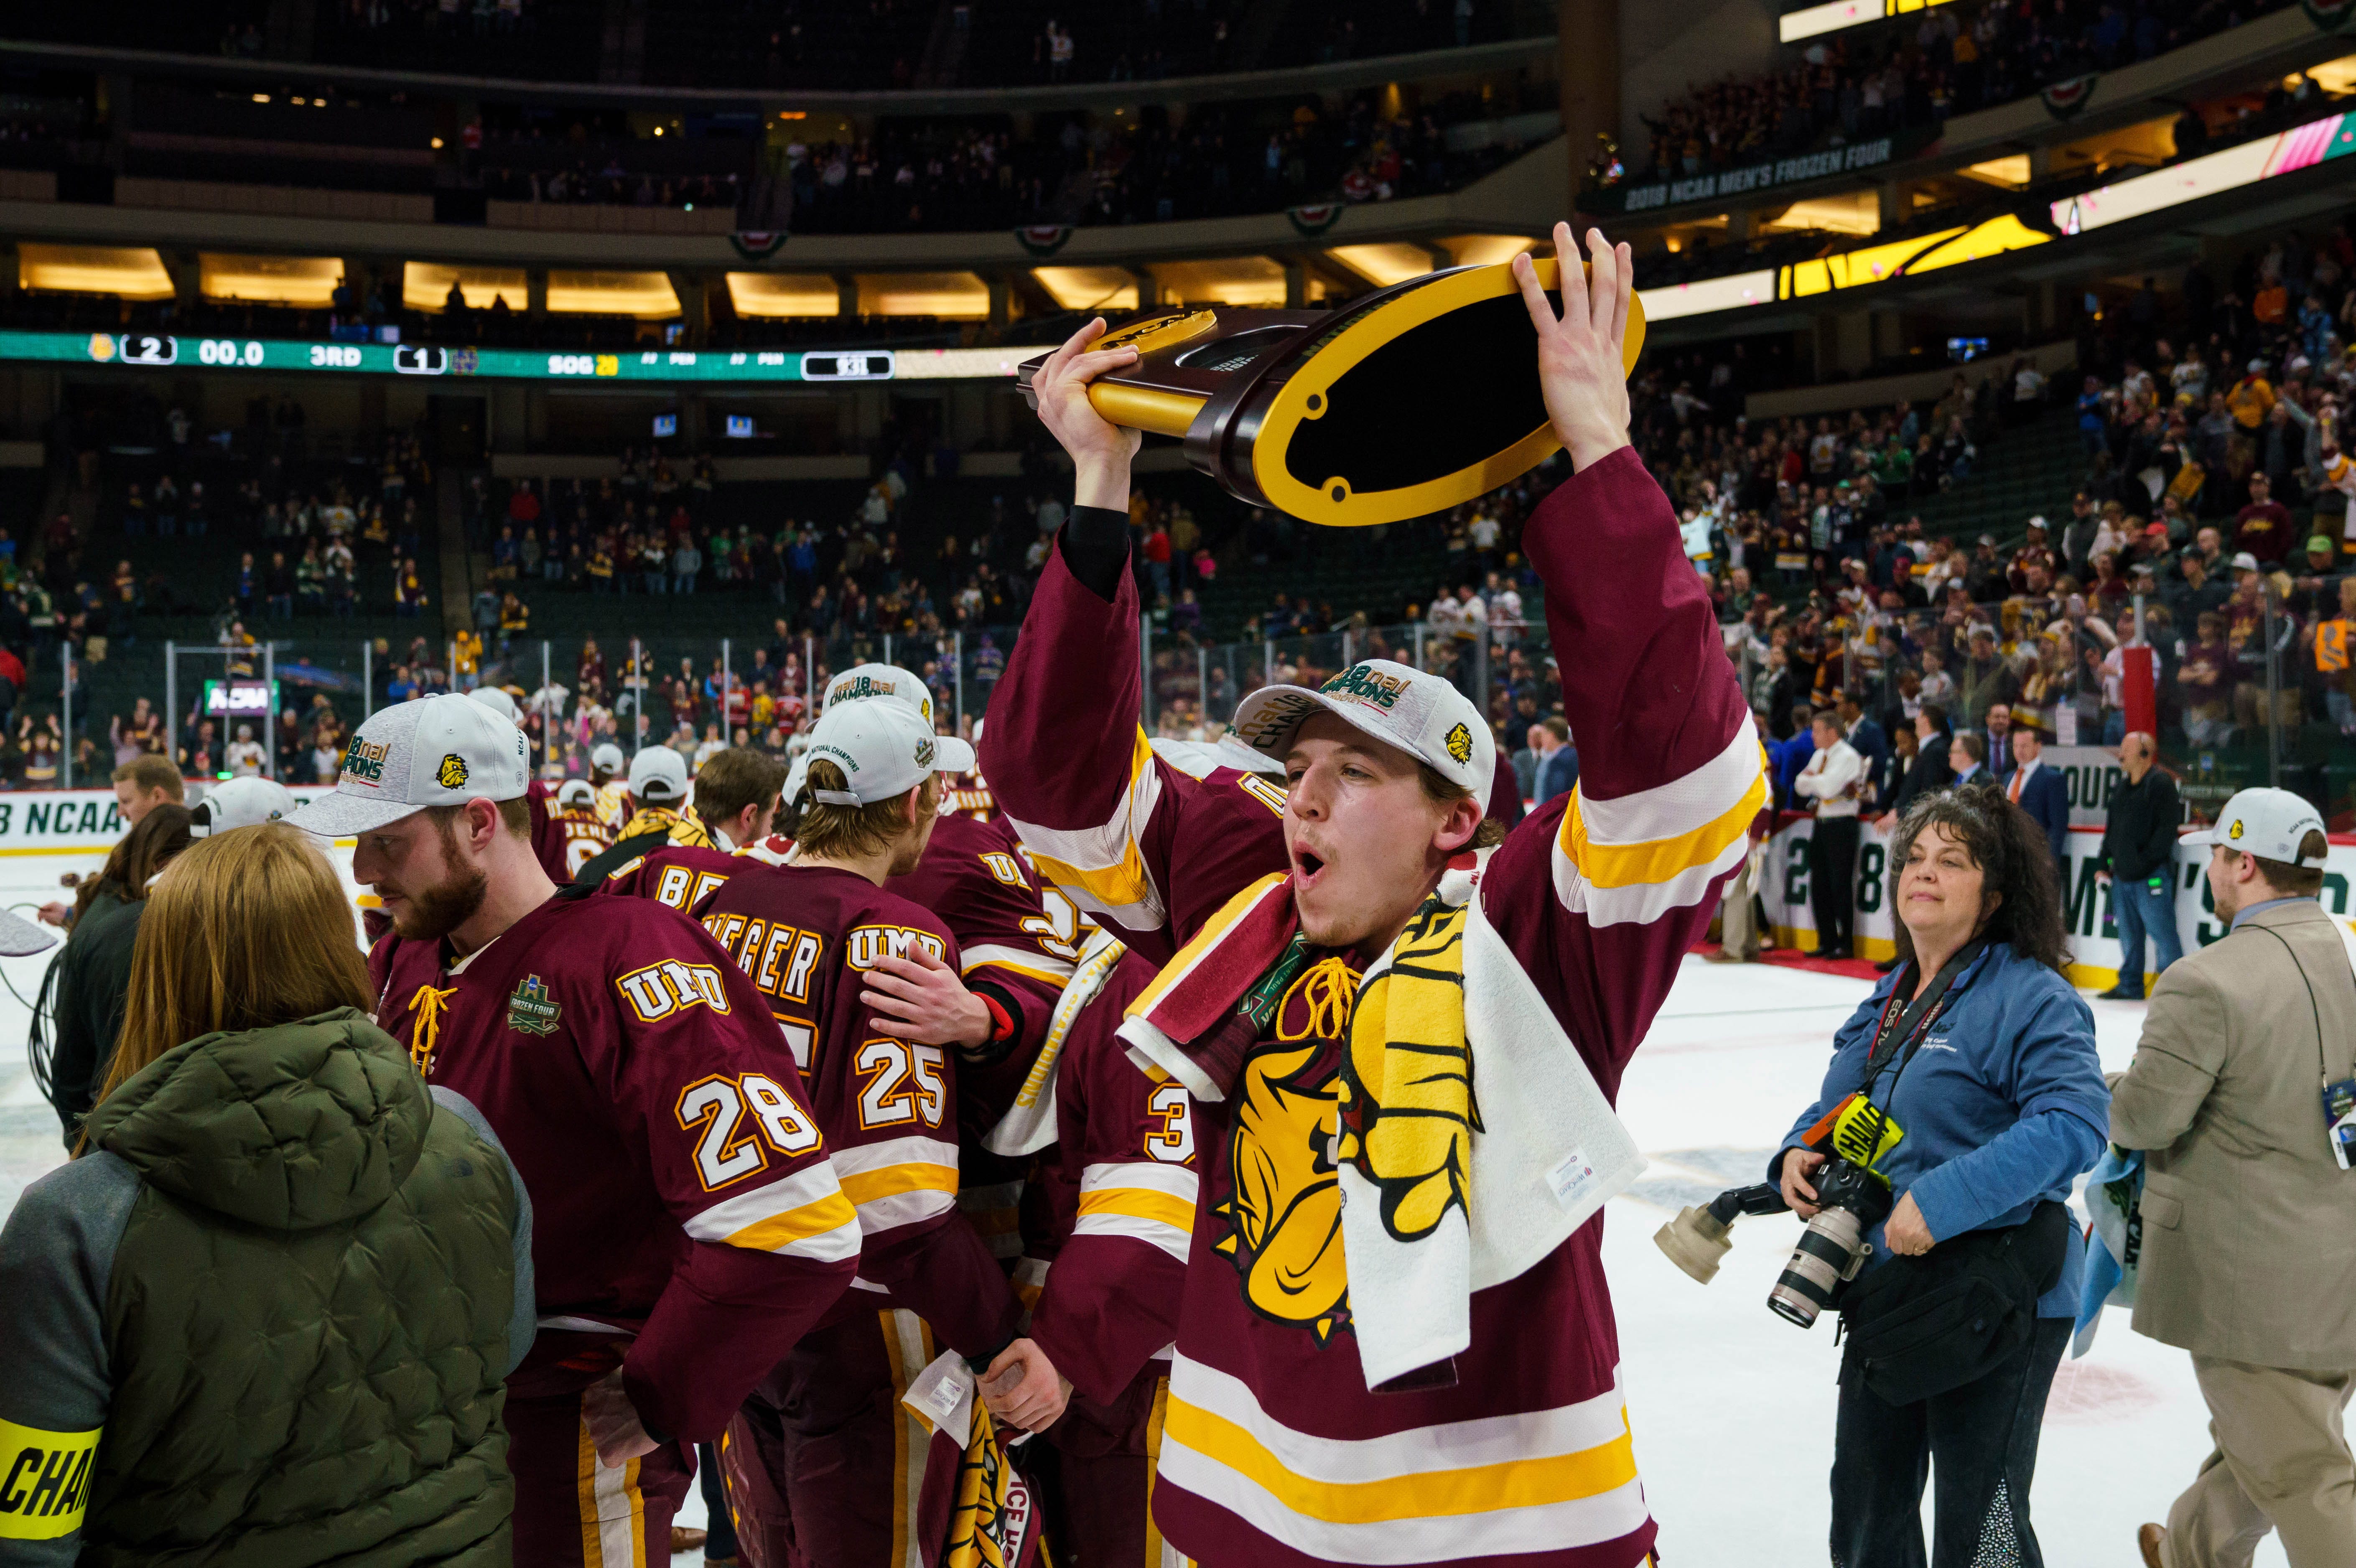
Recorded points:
438,751
241,802
577,794
607,756
2245,561
884,750
2268,823
657,773
497,700
1420,714
862,682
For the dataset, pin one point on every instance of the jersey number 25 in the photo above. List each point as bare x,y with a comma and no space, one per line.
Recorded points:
904,1084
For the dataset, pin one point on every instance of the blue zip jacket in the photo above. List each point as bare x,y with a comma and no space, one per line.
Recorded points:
2002,1107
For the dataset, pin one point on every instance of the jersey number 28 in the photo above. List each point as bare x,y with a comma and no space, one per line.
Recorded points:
722,1154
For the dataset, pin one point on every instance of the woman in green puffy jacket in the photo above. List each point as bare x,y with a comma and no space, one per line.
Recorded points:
264,1319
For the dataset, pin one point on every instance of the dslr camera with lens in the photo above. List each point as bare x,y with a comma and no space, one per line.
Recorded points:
1853,1200
1831,1251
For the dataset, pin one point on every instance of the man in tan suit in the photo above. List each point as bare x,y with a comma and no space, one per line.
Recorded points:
2249,1220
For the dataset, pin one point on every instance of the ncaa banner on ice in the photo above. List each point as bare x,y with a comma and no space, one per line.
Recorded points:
49,822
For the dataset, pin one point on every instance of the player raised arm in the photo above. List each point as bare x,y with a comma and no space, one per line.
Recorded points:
1600,892
1104,817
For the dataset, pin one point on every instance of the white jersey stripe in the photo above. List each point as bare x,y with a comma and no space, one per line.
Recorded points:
1029,961
1450,1446
1414,1496
1581,1522
896,1208
803,1188
1682,804
1644,902
1173,1179
1170,1238
855,1159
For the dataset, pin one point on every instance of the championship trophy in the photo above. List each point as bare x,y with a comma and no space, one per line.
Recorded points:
1407,401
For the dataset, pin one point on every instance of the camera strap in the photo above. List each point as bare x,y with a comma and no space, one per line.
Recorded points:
1902,1029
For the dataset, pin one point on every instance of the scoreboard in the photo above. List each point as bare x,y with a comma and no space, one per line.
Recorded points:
665,365
670,367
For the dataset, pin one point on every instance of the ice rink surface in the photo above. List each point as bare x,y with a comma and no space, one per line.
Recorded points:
1731,1407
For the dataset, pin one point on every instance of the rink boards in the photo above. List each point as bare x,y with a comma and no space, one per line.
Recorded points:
2094,942
47,833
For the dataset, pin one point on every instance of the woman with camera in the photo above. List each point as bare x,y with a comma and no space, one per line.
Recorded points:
1963,1099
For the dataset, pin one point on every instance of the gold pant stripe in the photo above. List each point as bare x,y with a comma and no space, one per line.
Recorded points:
613,1510
1159,1554
908,1342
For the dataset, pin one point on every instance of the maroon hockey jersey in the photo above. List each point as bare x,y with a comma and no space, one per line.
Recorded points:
680,1190
678,875
807,936
1274,1450
586,835
1014,929
1124,1185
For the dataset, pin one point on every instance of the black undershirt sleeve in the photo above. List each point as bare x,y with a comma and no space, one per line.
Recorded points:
1095,548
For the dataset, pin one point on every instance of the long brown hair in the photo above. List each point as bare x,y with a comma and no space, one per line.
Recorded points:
2015,862
155,839
250,929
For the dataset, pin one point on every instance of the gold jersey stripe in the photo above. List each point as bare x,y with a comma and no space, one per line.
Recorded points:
1475,1489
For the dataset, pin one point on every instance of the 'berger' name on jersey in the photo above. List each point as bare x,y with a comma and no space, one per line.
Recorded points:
779,957
869,943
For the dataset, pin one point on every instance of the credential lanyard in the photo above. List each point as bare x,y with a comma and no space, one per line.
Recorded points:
1903,1030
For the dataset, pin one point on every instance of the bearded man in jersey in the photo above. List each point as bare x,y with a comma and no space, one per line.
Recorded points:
815,1476
688,1226
1429,1373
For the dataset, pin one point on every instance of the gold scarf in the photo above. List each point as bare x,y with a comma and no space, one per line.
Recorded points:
1408,1113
